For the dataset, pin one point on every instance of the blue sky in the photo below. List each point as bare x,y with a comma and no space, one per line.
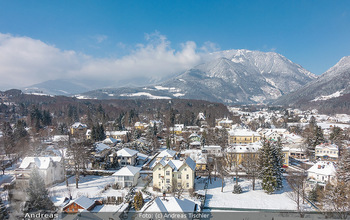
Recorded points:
314,34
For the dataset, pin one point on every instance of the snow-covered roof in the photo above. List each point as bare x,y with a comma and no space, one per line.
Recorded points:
211,147
243,133
166,153
327,145
195,143
127,171
116,133
78,124
326,168
83,202
176,164
171,204
109,140
40,162
100,147
142,156
190,163
57,138
126,152
194,135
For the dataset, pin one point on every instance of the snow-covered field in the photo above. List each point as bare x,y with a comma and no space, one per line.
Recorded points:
89,186
249,199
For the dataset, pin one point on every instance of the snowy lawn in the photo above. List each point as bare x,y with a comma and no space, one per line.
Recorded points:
89,186
249,199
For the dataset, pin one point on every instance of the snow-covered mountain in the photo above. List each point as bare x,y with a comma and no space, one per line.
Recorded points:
68,87
232,77
331,85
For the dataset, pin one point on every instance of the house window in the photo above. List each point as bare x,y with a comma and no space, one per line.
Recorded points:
187,185
159,184
185,169
168,181
159,175
187,176
159,168
167,173
179,176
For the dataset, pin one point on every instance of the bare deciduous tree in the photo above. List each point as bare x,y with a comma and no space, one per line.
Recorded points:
296,181
251,166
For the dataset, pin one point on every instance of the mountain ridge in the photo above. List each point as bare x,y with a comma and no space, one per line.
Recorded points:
231,77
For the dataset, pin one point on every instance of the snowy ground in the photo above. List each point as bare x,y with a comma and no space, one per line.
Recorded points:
89,186
249,199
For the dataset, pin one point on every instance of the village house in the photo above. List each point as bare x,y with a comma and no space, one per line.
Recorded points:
322,172
172,205
326,151
243,136
238,153
197,156
78,205
171,174
168,154
79,128
127,156
212,149
50,169
117,135
127,176
140,126
224,123
194,137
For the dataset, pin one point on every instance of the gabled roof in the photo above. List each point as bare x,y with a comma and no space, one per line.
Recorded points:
171,204
100,147
191,163
243,133
327,145
109,140
82,201
127,171
78,124
177,164
116,133
323,168
126,152
40,162
167,153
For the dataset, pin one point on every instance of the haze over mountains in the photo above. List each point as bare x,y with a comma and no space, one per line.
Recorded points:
230,77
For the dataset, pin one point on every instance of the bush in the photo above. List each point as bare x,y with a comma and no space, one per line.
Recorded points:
237,189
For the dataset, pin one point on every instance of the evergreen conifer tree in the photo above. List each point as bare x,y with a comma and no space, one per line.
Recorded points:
38,194
343,173
267,167
138,201
278,163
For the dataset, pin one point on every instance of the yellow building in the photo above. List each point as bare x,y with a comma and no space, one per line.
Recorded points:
243,136
140,126
78,127
171,174
285,152
236,154
224,123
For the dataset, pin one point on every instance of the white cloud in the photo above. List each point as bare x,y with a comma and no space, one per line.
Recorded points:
25,61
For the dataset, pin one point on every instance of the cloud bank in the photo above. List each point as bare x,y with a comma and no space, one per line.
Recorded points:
25,61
